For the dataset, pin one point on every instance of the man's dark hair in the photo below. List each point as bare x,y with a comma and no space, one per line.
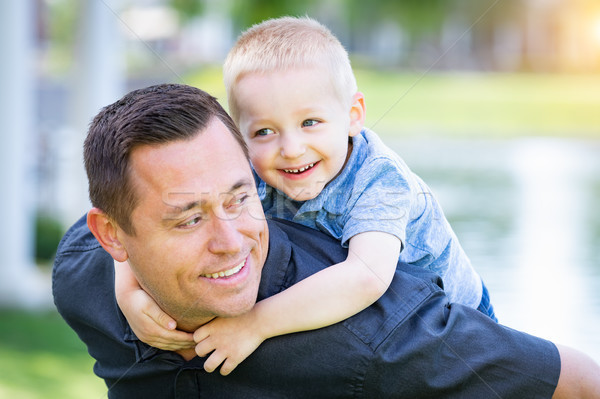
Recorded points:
154,115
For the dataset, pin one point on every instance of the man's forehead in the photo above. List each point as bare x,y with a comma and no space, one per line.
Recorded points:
185,174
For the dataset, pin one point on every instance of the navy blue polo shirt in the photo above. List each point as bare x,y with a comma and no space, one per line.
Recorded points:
410,343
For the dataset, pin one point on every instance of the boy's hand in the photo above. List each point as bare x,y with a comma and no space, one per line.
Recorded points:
153,326
147,320
231,339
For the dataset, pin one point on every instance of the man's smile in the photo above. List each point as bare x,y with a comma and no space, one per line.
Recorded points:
226,273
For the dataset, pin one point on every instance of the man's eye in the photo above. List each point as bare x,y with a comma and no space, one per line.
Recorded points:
238,200
191,222
309,122
264,132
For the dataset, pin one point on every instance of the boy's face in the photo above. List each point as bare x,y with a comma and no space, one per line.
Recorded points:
296,128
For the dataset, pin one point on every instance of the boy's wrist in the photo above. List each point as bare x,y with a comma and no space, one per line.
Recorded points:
260,322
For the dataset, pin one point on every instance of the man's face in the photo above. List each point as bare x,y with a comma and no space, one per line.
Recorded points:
201,236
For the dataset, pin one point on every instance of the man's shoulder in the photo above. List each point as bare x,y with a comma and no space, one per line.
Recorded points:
410,289
328,249
308,245
82,268
306,250
300,234
78,238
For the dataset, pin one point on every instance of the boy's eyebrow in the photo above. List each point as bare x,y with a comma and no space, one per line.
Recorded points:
310,109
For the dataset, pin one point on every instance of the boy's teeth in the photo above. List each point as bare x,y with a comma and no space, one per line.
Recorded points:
226,273
299,170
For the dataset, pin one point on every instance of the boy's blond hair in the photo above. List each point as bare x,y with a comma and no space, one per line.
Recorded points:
287,43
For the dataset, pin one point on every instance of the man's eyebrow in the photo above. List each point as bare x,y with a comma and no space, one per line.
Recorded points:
241,184
178,209
188,206
184,207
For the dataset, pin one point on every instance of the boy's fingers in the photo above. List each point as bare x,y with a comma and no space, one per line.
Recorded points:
172,346
228,367
203,348
200,334
170,340
181,337
177,346
213,362
161,318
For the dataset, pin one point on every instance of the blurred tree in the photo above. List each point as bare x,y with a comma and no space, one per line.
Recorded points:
248,12
62,15
187,9
61,19
417,17
49,232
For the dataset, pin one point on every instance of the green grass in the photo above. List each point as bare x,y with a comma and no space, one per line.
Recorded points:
481,105
42,358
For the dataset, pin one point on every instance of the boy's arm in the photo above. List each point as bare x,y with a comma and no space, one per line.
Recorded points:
337,292
327,297
147,320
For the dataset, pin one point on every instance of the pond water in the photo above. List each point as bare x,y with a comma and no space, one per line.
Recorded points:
526,211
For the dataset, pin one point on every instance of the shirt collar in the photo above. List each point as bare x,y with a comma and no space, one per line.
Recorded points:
278,258
145,352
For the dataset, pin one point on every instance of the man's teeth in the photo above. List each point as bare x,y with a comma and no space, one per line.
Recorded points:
299,170
226,273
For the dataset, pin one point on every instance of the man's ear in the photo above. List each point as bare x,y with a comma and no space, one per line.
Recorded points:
105,231
358,113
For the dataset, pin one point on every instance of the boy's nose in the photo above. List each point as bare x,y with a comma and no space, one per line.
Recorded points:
292,147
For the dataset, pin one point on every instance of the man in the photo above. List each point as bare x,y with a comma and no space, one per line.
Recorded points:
173,194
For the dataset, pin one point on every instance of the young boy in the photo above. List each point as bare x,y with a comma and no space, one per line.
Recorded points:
293,94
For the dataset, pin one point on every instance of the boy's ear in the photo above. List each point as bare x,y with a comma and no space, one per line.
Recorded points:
105,231
358,112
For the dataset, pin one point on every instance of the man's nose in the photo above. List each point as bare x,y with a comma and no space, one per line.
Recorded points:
225,236
292,146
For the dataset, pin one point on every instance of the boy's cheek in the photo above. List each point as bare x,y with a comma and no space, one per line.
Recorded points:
253,150
258,160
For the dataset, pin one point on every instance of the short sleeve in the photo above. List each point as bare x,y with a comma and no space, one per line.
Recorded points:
382,200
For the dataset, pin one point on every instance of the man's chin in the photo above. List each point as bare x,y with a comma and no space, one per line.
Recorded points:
239,309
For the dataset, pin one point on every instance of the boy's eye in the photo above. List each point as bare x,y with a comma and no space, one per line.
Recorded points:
264,132
309,122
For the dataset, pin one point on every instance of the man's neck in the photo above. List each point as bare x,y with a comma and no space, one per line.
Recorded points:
187,354
191,326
